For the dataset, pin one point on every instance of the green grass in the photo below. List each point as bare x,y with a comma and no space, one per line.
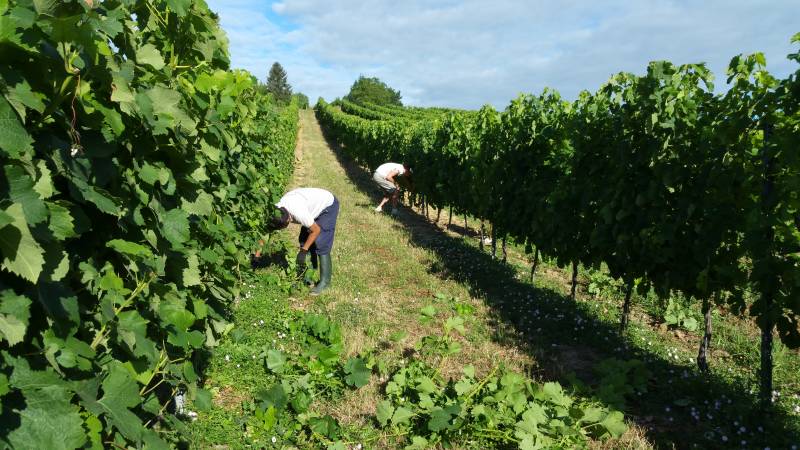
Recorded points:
236,370
734,359
240,377
703,409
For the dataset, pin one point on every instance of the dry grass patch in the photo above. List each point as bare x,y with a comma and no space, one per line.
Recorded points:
229,398
633,439
355,408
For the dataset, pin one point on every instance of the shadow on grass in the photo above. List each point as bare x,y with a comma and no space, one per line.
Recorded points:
679,408
273,257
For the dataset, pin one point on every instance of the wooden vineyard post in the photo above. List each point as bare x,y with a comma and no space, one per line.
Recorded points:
705,343
767,321
535,263
505,251
427,209
574,280
450,218
481,237
494,243
626,309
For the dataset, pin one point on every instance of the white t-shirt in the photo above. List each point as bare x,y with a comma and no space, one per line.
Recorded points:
384,169
305,204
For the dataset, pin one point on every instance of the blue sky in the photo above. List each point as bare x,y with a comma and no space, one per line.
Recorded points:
469,53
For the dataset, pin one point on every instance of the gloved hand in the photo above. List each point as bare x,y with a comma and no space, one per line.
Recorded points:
301,261
302,254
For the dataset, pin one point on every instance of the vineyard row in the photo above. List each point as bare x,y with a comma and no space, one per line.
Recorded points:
671,186
135,167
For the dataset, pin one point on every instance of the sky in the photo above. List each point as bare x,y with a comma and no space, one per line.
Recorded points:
465,54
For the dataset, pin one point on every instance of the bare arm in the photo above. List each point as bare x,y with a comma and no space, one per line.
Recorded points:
390,176
313,233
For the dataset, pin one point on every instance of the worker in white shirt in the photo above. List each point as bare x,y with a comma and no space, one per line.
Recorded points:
386,177
316,211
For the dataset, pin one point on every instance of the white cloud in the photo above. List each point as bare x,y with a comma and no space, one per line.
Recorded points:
279,7
468,53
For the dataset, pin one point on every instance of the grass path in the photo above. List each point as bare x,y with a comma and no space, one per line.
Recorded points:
381,279
386,269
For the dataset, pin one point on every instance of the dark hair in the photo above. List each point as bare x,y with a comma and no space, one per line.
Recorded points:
279,220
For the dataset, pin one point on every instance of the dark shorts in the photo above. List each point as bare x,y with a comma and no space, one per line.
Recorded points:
327,223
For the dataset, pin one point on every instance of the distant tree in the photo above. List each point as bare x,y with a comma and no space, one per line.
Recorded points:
373,90
301,99
278,84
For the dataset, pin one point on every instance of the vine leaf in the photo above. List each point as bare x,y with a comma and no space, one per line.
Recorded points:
21,189
179,7
102,199
401,415
417,443
120,392
357,372
132,330
615,424
44,185
325,426
5,219
149,54
531,419
276,361
202,206
129,248
384,412
202,400
14,316
441,418
45,7
61,224
14,140
49,421
175,225
22,255
12,329
191,274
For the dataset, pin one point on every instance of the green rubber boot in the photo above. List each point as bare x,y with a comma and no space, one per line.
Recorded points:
324,274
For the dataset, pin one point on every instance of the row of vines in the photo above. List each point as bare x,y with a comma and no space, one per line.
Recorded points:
671,186
388,112
135,165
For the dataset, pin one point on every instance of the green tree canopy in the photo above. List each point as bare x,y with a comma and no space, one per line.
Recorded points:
301,99
373,90
278,84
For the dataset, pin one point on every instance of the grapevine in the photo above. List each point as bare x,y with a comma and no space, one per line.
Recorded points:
134,166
